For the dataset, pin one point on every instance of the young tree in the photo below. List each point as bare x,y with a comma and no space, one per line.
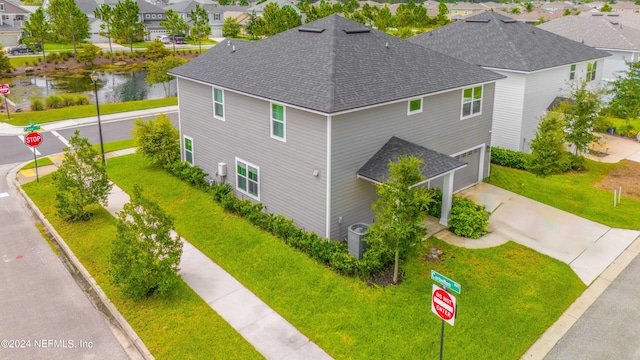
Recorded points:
105,13
548,156
80,181
580,116
401,209
126,24
157,71
528,6
88,53
145,255
175,25
156,50
606,8
37,27
200,24
626,93
442,18
279,19
5,62
69,23
230,28
157,140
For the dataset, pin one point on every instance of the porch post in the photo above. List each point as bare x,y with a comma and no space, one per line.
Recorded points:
447,195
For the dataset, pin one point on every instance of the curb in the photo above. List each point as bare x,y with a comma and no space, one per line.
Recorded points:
553,334
133,337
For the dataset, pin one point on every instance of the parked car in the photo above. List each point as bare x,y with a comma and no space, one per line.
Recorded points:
25,49
177,39
165,39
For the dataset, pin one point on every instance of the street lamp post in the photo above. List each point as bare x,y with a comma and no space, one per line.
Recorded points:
94,78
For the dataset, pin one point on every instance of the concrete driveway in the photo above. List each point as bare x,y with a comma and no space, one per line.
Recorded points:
588,247
616,148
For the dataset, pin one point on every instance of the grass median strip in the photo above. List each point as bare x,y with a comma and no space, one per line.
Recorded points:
510,294
572,192
181,326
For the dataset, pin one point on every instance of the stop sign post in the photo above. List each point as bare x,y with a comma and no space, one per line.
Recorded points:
33,140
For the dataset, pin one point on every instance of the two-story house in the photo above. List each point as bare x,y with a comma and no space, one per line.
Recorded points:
538,64
307,120
216,13
151,15
11,22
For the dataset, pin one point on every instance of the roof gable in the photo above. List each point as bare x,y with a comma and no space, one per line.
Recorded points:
493,40
332,65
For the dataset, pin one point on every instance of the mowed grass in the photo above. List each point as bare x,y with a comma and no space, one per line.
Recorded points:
510,294
75,112
41,162
181,326
573,192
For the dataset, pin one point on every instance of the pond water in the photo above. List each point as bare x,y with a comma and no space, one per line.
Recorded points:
113,87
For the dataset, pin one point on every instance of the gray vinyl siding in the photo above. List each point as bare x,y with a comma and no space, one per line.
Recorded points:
359,135
287,184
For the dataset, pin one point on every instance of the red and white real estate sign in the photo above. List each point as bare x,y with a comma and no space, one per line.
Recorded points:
443,304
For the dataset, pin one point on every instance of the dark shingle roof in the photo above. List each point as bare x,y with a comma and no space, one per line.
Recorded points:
434,163
331,65
493,40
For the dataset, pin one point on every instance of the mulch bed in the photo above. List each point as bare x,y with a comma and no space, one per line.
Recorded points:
626,176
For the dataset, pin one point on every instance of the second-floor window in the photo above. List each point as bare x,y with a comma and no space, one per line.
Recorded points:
218,104
572,73
147,16
216,16
278,122
1,7
591,70
471,101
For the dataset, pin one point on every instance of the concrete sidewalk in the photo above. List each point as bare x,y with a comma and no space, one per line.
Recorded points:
11,130
272,335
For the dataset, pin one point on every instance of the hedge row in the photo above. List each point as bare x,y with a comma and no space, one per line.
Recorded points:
509,158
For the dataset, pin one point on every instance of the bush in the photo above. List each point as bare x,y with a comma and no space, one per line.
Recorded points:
435,208
509,158
194,175
54,102
36,104
157,140
67,100
602,124
468,219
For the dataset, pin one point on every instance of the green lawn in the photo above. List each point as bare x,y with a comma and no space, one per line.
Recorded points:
572,192
41,162
181,326
510,294
75,112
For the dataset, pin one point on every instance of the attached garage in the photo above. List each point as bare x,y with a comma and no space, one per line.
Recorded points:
469,174
9,39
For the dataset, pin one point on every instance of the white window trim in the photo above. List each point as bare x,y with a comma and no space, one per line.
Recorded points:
572,72
1,6
284,122
147,16
409,112
193,151
213,95
462,117
246,192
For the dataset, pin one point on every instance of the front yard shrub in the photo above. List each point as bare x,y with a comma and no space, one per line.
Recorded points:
36,104
194,175
509,158
467,218
54,102
435,208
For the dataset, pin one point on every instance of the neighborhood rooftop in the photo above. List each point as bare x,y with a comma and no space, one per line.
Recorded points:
496,41
598,31
332,65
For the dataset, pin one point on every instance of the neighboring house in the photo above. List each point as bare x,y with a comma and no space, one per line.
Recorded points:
557,5
625,6
464,9
11,22
258,9
604,32
535,16
538,65
217,13
306,120
151,15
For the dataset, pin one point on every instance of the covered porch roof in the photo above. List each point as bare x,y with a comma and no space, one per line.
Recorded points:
435,164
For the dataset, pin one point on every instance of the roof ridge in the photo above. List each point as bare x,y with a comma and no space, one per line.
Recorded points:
514,48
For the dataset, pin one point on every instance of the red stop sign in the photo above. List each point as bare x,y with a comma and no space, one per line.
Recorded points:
33,139
4,89
443,304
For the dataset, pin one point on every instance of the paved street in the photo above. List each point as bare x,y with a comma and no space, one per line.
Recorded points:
43,311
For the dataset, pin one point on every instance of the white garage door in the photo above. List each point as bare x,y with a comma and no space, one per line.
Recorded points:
469,174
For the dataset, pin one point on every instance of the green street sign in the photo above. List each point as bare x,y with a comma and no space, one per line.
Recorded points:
32,127
445,282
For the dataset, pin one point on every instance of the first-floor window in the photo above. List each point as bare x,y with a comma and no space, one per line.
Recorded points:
248,178
188,150
471,101
572,74
591,70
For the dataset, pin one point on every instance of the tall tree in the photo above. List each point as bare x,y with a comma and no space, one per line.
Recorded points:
200,26
279,19
580,115
401,209
442,18
230,27
606,8
548,155
626,93
528,6
69,23
37,27
105,13
145,254
80,181
382,20
126,25
175,25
